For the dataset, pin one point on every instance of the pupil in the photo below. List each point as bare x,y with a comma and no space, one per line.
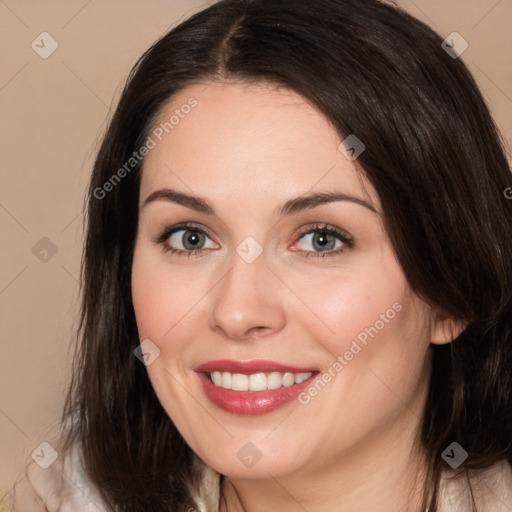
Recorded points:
192,239
322,239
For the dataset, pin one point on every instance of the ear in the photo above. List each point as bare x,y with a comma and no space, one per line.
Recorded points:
445,329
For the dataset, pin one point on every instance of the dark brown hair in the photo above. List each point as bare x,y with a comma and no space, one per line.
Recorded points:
433,155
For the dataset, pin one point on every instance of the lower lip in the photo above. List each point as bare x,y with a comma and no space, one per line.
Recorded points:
252,403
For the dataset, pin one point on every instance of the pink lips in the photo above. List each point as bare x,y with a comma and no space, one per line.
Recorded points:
251,403
248,367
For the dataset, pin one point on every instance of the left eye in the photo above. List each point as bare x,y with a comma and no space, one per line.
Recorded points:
321,241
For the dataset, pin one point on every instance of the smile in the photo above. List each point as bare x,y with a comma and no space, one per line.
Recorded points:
252,387
257,381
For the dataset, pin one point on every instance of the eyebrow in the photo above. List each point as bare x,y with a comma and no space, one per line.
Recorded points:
296,205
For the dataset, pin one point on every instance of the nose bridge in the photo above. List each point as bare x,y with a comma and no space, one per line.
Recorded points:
247,299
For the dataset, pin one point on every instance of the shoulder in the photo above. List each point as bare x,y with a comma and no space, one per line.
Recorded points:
64,487
61,487
491,489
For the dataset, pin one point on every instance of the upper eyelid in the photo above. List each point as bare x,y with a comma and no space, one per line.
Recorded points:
186,226
325,227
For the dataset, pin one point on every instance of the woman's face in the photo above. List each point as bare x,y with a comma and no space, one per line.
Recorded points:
268,290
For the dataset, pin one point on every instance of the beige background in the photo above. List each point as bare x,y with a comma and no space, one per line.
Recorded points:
53,113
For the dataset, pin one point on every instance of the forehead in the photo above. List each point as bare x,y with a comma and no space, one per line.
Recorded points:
252,139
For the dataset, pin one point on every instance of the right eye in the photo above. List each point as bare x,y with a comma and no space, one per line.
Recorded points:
185,239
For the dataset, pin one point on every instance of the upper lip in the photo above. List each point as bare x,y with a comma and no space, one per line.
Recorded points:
249,367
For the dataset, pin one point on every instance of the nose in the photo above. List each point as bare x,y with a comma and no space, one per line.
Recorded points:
247,303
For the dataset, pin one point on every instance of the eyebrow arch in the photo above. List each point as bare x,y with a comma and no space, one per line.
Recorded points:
308,201
299,204
194,203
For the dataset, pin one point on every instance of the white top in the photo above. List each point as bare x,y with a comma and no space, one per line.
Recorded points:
65,488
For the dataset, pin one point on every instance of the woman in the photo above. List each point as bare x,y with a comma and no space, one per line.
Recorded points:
296,278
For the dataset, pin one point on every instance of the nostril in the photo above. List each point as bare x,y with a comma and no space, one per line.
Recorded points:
258,331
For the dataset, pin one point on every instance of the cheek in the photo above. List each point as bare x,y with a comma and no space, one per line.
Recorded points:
160,298
373,332
348,305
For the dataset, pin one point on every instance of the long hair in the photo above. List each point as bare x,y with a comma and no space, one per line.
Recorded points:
436,160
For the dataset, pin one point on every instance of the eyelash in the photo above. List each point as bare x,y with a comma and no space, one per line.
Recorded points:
341,235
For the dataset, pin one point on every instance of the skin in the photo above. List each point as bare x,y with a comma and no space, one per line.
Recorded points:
247,149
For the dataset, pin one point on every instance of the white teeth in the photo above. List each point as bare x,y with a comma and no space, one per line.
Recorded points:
240,382
274,381
217,378
257,381
301,377
226,380
288,379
